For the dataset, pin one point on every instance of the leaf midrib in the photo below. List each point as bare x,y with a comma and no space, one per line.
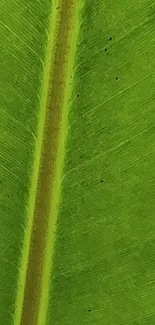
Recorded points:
42,212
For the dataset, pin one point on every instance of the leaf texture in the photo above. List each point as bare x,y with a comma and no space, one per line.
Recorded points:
77,131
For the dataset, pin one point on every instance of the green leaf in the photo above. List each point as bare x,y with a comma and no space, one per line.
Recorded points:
77,131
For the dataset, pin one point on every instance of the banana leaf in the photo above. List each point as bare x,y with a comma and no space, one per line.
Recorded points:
77,162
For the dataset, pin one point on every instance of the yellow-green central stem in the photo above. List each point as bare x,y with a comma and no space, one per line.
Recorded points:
47,193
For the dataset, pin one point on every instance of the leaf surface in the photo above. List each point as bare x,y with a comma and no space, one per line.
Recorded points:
77,131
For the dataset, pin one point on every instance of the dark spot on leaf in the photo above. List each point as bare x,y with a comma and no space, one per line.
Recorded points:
89,310
77,95
101,181
81,157
105,50
110,38
0,181
116,78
